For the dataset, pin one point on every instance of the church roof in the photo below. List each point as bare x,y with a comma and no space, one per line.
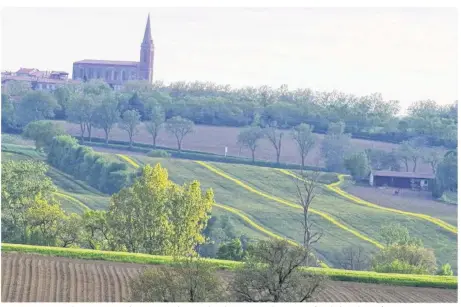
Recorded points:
104,62
147,34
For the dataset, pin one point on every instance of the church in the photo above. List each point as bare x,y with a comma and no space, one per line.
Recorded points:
116,73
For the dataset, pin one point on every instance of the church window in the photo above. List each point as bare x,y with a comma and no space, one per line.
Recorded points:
123,75
115,75
82,73
145,57
107,74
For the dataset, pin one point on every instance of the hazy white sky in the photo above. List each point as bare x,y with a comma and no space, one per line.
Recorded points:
405,54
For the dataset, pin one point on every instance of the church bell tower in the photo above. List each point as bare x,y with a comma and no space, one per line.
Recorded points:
146,61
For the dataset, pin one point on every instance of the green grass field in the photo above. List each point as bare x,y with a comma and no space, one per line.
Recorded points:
274,216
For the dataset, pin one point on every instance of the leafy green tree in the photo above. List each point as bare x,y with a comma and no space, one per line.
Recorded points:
42,133
274,135
405,259
305,140
156,216
445,270
446,176
411,150
383,160
36,105
190,280
63,95
396,234
80,111
69,230
154,124
9,114
357,165
16,89
231,250
22,182
249,138
96,230
44,217
130,122
335,146
106,115
271,273
179,127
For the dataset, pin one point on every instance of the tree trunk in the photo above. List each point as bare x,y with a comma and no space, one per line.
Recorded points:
414,166
302,161
107,136
406,165
82,130
154,139
253,156
278,156
88,126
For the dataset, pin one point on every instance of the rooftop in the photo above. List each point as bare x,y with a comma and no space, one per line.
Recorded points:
403,174
104,62
36,79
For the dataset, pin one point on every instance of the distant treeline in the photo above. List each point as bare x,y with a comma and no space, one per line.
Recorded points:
368,117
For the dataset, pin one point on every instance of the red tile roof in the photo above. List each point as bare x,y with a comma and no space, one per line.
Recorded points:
403,174
39,80
104,62
26,70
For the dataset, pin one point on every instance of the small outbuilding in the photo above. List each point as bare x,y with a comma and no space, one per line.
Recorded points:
403,180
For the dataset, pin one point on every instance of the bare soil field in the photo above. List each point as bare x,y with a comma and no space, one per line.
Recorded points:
214,139
36,278
407,200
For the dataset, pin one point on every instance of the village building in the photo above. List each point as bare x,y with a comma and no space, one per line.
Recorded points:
404,180
38,80
116,73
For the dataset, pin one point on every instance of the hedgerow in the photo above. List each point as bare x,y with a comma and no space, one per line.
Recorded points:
100,171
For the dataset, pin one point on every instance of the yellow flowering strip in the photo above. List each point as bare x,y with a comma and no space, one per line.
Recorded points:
128,159
73,199
336,189
287,203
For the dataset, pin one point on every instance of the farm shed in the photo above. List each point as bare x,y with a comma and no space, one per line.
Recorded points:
404,180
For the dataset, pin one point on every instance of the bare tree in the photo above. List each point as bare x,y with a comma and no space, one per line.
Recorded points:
273,273
354,258
306,187
179,127
275,137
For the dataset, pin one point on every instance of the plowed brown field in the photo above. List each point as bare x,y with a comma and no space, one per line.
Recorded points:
213,140
36,278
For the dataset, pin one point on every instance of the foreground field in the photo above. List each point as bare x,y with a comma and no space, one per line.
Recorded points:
36,278
213,140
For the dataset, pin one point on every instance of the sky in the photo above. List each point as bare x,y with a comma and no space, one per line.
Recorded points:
407,54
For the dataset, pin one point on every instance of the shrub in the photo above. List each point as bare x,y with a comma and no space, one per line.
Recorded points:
159,153
445,270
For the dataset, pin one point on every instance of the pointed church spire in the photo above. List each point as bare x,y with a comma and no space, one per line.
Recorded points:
147,35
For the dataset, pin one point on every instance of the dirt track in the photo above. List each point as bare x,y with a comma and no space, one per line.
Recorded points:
35,278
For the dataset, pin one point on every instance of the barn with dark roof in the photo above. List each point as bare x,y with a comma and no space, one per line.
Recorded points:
404,180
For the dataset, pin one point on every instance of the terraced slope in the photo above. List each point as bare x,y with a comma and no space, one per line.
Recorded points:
366,219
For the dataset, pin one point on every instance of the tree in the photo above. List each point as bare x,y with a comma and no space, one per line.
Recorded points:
446,176
80,111
129,122
107,115
42,133
354,258
445,270
306,190
411,151
405,259
231,250
9,113
16,89
154,123
158,217
383,160
96,230
45,217
357,165
275,137
305,140
22,182
69,230
249,138
433,156
179,127
190,280
335,146
396,234
272,273
36,105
